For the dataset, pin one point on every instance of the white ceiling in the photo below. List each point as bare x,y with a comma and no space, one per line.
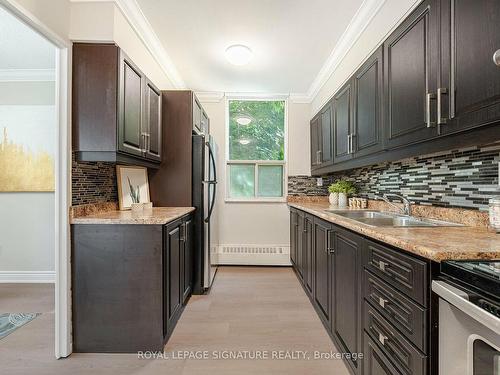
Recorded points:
290,39
21,47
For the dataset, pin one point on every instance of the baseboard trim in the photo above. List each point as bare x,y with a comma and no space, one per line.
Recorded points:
15,277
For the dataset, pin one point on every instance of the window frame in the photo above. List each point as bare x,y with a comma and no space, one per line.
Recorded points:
228,162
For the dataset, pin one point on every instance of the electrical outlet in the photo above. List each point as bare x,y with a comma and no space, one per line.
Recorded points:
319,181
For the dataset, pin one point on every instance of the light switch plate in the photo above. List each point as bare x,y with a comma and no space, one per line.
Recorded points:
319,181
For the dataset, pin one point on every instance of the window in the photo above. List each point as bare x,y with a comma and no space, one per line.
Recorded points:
256,150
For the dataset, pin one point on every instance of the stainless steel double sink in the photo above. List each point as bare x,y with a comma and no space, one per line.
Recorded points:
390,219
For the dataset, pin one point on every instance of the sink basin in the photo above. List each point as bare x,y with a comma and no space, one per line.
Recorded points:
390,219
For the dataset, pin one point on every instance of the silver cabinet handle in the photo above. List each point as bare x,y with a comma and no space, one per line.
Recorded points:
382,302
320,153
144,147
440,92
496,57
430,96
348,144
317,157
382,338
382,265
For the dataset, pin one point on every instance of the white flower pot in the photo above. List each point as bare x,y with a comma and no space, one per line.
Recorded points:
333,198
342,200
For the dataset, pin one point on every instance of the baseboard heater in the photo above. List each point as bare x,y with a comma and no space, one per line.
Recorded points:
255,255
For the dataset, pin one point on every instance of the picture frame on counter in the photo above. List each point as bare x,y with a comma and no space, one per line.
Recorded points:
133,186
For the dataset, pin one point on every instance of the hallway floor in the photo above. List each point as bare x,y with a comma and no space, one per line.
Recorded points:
250,310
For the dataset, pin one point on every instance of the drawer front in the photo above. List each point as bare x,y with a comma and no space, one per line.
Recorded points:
403,272
400,351
402,312
375,362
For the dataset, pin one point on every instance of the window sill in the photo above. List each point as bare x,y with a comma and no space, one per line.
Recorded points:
256,200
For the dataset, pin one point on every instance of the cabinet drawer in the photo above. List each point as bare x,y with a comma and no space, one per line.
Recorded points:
403,313
375,362
399,350
403,272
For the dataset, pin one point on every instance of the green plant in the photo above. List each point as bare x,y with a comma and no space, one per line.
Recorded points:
135,194
342,186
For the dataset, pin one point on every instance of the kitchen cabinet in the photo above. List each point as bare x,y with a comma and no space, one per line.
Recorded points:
116,109
322,251
372,298
469,88
342,120
410,64
322,138
117,306
307,253
315,128
346,282
294,233
187,260
366,135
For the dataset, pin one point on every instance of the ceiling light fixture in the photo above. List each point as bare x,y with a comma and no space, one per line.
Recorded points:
238,54
244,119
244,141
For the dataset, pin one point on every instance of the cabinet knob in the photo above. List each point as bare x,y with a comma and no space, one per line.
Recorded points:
382,339
496,57
382,265
382,302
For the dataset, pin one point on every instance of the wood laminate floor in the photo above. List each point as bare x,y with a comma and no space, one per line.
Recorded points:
250,310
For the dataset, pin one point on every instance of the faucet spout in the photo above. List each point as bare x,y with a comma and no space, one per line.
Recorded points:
406,203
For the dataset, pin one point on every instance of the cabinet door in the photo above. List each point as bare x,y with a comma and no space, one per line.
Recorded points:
172,275
308,260
152,123
346,307
342,118
367,133
315,142
187,260
470,36
197,115
293,237
410,60
299,260
326,151
321,251
130,138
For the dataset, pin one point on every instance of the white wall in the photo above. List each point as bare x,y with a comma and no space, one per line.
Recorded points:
258,223
389,15
104,22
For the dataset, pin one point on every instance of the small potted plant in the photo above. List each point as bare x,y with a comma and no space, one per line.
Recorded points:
339,192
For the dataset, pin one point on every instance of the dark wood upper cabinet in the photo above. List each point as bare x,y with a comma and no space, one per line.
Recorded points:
326,151
368,90
321,252
115,108
469,94
342,122
410,56
346,281
153,128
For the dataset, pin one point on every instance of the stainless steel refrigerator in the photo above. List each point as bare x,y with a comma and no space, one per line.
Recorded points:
205,221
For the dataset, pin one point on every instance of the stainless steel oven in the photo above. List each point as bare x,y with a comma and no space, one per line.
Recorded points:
469,318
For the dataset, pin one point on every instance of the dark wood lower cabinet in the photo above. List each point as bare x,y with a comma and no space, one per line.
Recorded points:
372,299
127,285
307,253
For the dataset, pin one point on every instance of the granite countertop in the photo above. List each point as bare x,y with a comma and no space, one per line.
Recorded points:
156,216
435,243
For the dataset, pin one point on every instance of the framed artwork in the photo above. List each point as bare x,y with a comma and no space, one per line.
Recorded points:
133,185
27,148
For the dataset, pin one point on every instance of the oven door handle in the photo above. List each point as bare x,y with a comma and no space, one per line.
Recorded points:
459,299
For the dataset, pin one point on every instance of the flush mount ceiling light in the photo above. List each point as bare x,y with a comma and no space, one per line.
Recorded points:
244,119
244,141
238,54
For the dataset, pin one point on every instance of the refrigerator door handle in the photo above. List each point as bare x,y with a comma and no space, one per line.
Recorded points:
213,182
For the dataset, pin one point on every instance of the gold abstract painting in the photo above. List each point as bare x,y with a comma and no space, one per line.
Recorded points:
26,156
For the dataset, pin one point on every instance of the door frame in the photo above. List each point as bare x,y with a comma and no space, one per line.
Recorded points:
63,344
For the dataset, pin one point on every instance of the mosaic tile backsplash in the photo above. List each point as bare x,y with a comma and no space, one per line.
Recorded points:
465,178
93,182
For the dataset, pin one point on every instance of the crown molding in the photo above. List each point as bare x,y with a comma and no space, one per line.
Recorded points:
209,96
358,24
145,32
27,75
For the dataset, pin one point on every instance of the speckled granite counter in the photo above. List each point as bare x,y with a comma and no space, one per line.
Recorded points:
158,216
435,243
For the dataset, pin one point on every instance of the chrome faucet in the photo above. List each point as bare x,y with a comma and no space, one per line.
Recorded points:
406,203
